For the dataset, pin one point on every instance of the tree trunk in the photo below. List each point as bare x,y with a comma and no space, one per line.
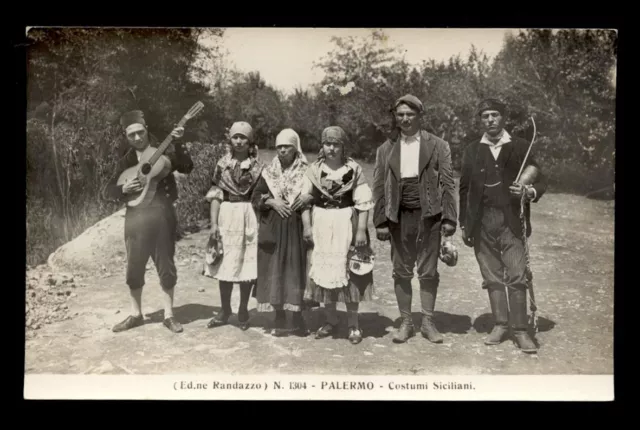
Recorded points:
63,205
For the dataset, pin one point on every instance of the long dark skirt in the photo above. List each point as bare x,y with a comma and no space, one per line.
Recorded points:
282,263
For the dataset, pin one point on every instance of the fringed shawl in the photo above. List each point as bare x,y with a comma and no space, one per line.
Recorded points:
286,184
235,177
349,181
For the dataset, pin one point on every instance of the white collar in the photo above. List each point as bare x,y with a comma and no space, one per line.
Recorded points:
412,138
505,138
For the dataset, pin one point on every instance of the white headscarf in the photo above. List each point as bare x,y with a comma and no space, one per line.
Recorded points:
287,137
286,184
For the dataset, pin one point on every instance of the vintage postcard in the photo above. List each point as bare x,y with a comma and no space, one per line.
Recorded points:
320,213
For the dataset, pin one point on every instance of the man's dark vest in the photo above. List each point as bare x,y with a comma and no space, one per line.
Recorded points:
494,194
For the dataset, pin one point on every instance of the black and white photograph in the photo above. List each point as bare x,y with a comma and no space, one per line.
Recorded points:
320,213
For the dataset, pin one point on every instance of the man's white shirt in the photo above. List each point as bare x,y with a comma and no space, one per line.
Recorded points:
409,156
496,147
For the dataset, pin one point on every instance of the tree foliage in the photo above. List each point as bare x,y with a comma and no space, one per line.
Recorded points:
81,80
79,83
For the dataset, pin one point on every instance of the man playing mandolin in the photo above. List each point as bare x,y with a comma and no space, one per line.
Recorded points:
150,229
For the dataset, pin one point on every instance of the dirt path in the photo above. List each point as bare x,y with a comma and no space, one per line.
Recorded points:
572,262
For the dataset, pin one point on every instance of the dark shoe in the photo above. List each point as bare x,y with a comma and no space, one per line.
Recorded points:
243,320
299,327
172,324
525,342
497,335
355,335
221,319
429,330
279,332
129,323
405,332
301,332
279,329
325,331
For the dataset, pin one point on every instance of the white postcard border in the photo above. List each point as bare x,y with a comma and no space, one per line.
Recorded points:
321,387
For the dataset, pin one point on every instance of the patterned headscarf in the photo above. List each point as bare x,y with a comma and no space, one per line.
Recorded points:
238,177
334,134
244,128
286,183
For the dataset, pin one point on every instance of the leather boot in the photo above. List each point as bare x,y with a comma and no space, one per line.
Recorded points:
405,331
519,317
500,310
428,294
403,296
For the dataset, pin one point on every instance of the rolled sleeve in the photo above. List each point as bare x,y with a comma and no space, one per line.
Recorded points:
363,197
214,193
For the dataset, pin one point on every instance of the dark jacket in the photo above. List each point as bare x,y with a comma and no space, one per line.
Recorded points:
472,183
437,185
167,188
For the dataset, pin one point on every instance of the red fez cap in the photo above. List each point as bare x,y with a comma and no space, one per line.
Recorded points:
491,104
132,117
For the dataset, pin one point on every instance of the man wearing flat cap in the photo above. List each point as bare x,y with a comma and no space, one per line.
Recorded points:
414,206
149,231
490,205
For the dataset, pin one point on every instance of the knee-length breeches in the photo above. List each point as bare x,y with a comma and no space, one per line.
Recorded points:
150,232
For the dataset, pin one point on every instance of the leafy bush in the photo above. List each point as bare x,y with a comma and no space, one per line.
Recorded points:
191,206
81,80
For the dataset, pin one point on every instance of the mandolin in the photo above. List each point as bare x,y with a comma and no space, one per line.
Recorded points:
153,167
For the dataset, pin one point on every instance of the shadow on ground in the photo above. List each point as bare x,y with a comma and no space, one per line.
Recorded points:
484,323
186,314
445,322
372,323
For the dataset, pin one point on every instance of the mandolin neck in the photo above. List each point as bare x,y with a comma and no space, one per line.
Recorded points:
165,144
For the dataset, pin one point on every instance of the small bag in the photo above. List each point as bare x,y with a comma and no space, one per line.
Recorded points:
212,257
448,253
361,261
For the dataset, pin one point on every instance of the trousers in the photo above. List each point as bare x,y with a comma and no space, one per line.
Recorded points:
500,254
151,232
415,242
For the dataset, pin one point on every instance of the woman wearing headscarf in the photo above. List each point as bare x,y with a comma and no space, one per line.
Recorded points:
233,221
284,234
341,203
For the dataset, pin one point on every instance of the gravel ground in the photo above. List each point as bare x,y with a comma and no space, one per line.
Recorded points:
69,324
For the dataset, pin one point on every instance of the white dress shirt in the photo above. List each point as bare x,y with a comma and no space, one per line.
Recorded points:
409,156
497,146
